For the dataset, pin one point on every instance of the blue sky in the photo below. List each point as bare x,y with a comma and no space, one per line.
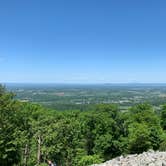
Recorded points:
83,41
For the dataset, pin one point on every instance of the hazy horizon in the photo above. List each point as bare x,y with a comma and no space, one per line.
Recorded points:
79,83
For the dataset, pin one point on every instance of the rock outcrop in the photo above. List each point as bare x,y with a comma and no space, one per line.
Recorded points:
149,158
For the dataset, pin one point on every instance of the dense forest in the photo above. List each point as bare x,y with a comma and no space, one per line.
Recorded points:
31,134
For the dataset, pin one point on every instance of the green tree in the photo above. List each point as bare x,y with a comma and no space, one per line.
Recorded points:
89,160
163,117
139,138
9,149
144,128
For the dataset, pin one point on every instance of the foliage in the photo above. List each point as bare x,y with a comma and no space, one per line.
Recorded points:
89,160
163,117
31,134
139,138
163,143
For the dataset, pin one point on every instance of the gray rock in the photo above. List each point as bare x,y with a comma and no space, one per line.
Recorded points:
150,158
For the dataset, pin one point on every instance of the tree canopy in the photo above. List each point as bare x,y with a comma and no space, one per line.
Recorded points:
31,134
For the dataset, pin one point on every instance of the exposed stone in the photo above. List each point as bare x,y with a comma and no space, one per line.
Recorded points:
149,158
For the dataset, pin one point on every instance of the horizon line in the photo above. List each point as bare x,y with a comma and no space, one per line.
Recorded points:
100,83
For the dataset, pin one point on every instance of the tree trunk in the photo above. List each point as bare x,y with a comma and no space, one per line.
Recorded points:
25,155
39,150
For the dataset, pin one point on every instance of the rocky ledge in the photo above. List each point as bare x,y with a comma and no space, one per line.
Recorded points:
149,158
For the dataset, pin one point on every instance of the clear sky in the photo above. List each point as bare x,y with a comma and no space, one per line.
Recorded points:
83,41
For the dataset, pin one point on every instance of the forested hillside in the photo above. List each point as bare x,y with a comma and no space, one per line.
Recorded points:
31,134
